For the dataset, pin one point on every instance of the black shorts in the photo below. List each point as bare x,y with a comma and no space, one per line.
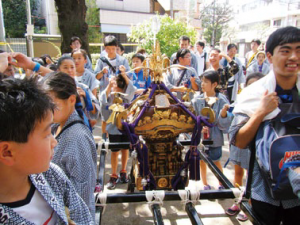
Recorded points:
115,138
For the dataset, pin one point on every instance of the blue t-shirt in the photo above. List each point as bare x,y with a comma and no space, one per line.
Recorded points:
138,80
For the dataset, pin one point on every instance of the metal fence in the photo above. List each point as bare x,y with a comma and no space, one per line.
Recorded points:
14,45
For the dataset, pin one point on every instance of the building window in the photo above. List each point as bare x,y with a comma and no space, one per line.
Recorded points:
277,23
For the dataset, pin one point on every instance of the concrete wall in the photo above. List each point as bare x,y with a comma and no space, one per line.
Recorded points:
125,5
41,48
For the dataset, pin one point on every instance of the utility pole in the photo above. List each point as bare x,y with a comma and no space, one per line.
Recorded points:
2,29
187,12
171,9
213,37
30,31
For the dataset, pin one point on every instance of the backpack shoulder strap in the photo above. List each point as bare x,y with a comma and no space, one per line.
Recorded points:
69,125
205,55
181,77
251,167
105,60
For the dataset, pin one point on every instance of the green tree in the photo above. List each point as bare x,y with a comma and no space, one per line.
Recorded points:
15,19
215,18
93,21
71,22
168,35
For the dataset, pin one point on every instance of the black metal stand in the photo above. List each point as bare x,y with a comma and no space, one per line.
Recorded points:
157,217
192,213
173,195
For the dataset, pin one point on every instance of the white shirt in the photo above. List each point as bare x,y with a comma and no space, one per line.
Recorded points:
37,211
201,61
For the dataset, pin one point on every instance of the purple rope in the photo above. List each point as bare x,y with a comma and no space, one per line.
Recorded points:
146,104
142,152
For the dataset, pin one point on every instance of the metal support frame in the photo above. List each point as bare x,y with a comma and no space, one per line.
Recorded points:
157,217
173,195
192,213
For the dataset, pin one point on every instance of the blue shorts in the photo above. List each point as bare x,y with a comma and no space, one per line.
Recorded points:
214,153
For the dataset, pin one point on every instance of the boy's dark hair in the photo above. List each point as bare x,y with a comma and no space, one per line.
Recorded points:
38,60
121,47
257,75
62,59
43,57
180,53
212,75
215,49
184,38
1,51
74,38
110,40
23,103
257,41
200,43
61,84
141,51
52,67
121,83
230,46
3,76
82,51
139,56
282,36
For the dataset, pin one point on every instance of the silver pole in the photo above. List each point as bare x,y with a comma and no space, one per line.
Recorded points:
171,9
2,29
30,32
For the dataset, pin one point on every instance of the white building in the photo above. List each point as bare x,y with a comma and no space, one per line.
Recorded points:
257,19
117,16
48,11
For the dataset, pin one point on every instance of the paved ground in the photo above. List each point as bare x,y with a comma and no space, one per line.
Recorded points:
210,212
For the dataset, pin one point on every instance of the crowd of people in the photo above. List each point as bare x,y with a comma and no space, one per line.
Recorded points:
48,156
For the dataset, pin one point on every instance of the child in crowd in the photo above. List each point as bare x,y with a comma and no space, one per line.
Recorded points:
137,76
76,44
259,65
122,84
240,159
227,73
89,102
84,75
32,190
108,66
120,49
180,77
75,152
210,80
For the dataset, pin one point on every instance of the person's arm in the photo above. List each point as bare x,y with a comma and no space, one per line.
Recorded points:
194,84
110,85
26,63
268,103
4,59
226,57
123,74
100,74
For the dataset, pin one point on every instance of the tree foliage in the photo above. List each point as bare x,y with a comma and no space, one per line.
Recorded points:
93,21
215,18
71,22
15,18
168,35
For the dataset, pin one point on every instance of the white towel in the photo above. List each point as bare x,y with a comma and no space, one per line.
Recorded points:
249,99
